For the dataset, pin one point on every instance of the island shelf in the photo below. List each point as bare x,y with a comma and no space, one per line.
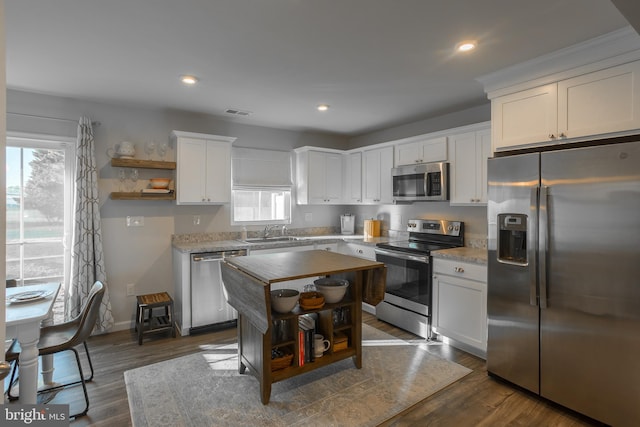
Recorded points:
248,283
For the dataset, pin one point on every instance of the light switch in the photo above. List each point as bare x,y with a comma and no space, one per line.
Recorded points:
135,221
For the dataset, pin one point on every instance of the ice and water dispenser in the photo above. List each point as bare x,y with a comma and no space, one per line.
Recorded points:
512,239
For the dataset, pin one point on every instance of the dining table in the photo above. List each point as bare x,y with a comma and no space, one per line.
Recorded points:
27,309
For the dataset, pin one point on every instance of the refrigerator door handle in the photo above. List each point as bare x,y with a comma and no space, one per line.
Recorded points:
531,246
543,244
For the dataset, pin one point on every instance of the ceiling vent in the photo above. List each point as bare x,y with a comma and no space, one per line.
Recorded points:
236,112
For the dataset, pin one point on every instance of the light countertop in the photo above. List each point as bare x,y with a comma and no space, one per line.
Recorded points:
228,245
465,254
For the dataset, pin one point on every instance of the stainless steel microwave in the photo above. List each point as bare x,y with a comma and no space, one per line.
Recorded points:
421,182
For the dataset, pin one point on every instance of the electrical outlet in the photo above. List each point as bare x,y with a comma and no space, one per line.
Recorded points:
135,221
196,220
131,290
308,217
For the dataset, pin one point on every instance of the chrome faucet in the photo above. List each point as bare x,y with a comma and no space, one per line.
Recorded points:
267,229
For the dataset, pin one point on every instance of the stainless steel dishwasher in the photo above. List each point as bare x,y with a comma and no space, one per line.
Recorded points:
209,307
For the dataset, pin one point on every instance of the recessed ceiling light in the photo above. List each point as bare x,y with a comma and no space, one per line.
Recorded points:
323,107
466,46
189,80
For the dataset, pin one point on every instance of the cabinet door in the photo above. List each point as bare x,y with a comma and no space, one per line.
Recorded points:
191,170
317,177
377,165
425,151
434,150
218,177
524,117
469,153
324,177
602,102
483,152
460,310
408,153
464,175
353,177
333,178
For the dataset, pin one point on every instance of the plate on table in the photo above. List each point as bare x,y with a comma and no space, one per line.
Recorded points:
29,296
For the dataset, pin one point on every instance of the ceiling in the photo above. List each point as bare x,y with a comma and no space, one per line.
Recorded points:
377,63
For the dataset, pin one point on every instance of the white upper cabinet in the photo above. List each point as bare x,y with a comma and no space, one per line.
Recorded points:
421,151
468,153
353,178
319,177
203,171
597,103
377,185
525,117
601,102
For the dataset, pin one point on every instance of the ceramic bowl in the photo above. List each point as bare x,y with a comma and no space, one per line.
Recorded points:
333,290
160,182
284,300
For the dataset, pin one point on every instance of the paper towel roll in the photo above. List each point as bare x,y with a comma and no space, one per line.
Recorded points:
371,228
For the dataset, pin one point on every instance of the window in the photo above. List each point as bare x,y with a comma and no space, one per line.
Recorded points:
261,186
39,177
255,206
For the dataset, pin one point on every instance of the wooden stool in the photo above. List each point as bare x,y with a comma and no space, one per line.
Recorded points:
147,322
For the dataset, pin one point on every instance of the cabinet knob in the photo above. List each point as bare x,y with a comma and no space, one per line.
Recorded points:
562,135
360,251
552,136
458,269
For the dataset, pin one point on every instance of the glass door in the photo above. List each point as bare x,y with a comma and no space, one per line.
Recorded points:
38,212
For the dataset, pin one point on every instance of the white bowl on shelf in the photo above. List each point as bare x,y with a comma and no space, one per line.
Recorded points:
333,290
284,300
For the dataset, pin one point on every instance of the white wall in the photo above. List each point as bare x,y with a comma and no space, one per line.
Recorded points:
143,255
469,116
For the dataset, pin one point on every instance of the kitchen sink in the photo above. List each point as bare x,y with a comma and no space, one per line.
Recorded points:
272,239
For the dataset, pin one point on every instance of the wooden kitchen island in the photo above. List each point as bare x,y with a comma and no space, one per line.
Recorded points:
248,283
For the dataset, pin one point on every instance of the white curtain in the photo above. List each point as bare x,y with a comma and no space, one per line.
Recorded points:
87,257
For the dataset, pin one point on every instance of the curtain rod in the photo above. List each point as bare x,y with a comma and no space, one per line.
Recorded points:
50,118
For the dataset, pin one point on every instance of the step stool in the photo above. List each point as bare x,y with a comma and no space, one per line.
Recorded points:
147,322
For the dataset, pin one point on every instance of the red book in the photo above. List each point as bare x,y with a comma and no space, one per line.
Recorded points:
301,347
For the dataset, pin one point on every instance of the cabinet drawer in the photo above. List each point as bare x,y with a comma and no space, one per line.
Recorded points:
467,270
361,251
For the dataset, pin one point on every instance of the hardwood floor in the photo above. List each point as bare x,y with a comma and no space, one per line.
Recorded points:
475,400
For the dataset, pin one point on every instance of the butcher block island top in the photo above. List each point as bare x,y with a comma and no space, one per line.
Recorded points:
260,330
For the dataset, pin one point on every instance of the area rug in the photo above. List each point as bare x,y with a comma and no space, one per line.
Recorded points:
205,389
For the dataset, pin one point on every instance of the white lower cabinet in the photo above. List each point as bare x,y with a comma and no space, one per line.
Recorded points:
357,250
360,251
460,304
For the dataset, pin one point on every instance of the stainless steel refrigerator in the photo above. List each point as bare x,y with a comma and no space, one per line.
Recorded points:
564,277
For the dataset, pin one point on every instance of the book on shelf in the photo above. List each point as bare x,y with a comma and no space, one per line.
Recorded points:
307,326
301,347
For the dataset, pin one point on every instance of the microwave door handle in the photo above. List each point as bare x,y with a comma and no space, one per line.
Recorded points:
532,250
543,243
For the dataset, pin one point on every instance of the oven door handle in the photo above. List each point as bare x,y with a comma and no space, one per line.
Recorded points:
402,255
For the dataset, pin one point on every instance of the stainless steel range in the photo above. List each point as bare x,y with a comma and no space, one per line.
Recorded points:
407,298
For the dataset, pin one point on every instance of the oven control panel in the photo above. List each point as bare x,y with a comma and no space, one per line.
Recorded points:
432,226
